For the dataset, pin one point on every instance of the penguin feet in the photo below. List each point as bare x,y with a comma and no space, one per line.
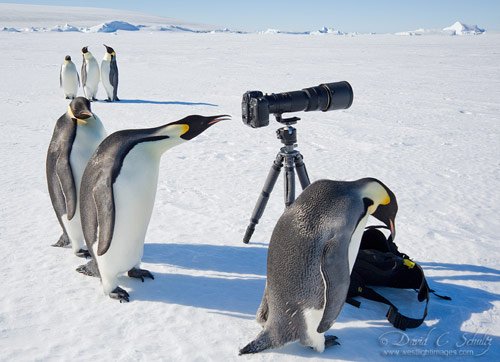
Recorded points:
108,100
331,341
89,269
62,242
140,274
120,294
93,99
82,253
116,99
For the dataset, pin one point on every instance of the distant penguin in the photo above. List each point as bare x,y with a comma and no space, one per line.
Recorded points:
311,255
69,80
117,196
76,136
90,75
109,74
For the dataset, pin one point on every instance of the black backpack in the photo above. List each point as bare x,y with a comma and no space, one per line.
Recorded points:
379,263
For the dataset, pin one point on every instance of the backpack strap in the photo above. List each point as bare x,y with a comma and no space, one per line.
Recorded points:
397,319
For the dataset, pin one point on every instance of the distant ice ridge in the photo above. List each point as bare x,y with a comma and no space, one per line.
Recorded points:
115,26
112,26
65,27
324,30
456,29
463,29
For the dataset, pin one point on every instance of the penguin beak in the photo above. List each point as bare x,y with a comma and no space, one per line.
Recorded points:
387,212
85,115
392,227
195,125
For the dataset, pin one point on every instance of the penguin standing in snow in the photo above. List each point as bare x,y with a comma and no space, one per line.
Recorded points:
76,136
90,75
117,196
69,80
109,74
311,255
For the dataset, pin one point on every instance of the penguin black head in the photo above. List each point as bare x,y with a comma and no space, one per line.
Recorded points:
85,49
382,203
80,107
197,124
110,50
67,57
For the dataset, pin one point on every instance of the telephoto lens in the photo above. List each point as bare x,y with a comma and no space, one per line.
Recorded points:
256,107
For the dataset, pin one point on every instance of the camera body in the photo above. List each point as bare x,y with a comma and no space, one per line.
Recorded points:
256,106
255,109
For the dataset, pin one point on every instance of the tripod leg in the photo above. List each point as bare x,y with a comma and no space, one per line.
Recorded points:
289,180
272,176
301,171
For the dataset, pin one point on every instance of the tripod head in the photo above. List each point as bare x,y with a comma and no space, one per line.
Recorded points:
287,134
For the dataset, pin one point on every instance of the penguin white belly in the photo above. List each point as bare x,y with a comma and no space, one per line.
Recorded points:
105,69
69,77
93,77
356,242
86,141
134,194
312,318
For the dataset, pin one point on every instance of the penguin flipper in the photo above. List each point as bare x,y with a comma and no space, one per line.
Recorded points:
60,77
335,271
68,188
105,207
113,78
84,73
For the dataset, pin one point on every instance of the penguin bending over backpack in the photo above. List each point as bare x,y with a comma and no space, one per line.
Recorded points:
117,196
311,255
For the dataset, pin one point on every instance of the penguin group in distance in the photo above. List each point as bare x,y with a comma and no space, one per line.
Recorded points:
311,255
91,75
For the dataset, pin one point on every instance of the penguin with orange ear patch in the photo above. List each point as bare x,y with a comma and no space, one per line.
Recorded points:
311,255
117,196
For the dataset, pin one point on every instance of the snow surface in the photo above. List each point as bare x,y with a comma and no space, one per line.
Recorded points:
424,120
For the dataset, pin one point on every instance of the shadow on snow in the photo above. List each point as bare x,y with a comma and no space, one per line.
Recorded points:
179,103
238,294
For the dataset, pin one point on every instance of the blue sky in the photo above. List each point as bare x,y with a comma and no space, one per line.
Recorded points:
347,15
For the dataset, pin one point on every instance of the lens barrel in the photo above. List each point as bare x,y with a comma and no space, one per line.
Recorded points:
325,97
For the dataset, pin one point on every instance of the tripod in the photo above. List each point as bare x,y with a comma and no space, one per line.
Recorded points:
289,157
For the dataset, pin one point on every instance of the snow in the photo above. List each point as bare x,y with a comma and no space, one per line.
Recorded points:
422,122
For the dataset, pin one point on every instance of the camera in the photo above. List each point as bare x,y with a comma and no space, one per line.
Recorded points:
256,106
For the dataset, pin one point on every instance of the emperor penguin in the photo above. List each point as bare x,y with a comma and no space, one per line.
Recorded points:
117,196
77,134
311,255
109,74
90,75
69,80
